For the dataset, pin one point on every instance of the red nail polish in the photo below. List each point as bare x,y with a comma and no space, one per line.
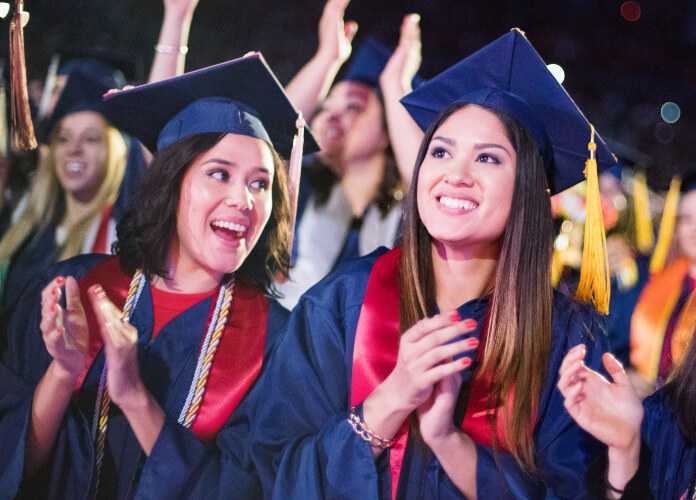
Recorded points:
60,280
470,323
454,317
465,361
473,342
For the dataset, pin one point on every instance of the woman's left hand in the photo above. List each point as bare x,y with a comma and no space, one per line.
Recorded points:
436,415
120,348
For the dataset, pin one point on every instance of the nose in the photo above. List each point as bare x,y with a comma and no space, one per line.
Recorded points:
239,196
460,174
75,146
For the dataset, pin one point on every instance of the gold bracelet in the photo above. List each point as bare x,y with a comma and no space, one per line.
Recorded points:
365,433
171,49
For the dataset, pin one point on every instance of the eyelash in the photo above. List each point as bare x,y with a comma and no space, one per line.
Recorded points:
224,176
439,153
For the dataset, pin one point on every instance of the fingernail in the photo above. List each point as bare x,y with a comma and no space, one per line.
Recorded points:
454,317
97,290
472,342
414,18
470,323
60,280
466,361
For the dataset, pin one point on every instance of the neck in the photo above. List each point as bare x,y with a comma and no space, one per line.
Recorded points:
463,274
185,276
361,180
76,209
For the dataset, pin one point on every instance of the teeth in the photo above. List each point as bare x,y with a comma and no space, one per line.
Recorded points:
229,225
74,166
457,203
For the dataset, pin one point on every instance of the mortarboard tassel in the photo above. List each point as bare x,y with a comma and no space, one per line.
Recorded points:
557,267
23,136
667,224
594,286
641,209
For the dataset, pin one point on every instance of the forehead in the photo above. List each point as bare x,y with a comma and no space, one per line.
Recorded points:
351,90
475,122
242,150
82,120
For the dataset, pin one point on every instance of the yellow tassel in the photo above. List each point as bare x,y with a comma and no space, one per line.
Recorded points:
23,136
557,266
594,286
667,224
641,210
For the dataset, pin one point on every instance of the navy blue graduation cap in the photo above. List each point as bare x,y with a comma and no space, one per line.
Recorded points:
114,69
509,76
81,93
367,63
241,96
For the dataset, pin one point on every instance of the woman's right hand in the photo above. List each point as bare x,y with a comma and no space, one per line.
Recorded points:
335,36
64,331
611,411
426,353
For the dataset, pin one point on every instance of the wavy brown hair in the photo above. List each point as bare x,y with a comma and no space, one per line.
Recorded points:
518,337
147,229
681,393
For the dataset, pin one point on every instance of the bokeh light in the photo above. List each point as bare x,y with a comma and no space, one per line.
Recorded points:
630,11
670,112
557,72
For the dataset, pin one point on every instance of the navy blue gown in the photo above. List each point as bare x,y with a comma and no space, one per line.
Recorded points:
167,365
304,448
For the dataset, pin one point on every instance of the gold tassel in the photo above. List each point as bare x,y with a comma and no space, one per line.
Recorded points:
641,210
23,136
594,286
557,266
667,224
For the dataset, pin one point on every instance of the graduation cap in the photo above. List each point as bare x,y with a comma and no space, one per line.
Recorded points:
241,96
82,92
510,77
108,65
367,63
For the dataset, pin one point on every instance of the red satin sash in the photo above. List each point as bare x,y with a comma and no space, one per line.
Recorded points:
375,353
102,238
238,359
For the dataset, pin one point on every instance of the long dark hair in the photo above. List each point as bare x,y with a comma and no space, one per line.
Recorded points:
146,231
681,393
518,337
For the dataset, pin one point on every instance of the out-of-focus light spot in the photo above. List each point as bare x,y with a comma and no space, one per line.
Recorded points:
670,112
630,11
557,72
664,133
562,242
566,226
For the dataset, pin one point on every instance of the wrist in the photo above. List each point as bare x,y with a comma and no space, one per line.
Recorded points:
444,440
327,59
177,15
135,400
623,464
61,375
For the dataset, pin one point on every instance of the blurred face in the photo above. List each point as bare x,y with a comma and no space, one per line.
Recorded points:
686,225
79,152
467,179
349,126
224,205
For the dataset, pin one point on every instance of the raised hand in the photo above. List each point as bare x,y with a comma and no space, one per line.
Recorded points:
181,7
335,36
610,411
64,331
406,59
120,349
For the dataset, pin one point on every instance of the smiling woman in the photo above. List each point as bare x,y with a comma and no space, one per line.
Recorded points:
174,329
77,180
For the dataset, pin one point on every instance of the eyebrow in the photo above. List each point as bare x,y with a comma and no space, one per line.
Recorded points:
234,164
491,145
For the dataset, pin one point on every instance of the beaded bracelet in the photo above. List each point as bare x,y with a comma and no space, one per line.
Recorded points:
171,49
365,433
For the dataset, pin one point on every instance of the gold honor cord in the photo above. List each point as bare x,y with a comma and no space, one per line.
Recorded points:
200,379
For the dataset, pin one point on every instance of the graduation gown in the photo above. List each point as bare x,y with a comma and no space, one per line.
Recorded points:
167,365
305,448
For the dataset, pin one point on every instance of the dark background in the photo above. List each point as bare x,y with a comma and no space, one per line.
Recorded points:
619,71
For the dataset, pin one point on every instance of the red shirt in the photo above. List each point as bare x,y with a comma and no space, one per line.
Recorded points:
168,305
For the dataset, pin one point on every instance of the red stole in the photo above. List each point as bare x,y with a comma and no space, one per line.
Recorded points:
102,239
375,353
238,359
